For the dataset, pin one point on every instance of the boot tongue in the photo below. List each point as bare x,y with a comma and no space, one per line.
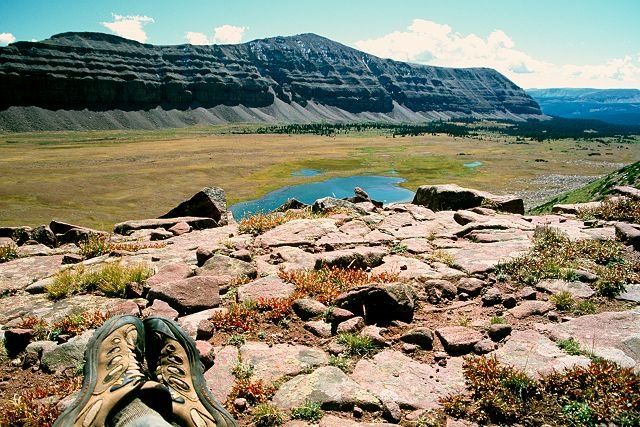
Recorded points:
156,396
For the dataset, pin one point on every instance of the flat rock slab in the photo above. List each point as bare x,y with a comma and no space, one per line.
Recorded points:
223,266
219,377
458,340
265,287
454,197
327,385
576,289
483,257
170,273
575,208
298,232
290,258
530,308
392,375
335,421
405,267
197,223
535,354
18,306
273,363
21,272
360,257
611,335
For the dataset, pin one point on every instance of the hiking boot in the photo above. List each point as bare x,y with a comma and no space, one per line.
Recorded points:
111,373
174,360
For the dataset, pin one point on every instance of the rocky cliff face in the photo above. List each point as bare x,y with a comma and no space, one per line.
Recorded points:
74,71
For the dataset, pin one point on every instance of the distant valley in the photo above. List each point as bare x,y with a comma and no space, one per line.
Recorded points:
617,106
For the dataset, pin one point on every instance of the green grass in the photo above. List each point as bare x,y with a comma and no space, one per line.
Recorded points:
563,300
357,345
8,252
266,415
310,411
570,346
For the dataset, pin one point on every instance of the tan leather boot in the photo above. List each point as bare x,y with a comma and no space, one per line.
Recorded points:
111,373
174,360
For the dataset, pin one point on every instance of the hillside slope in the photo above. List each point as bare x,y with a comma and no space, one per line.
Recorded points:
303,78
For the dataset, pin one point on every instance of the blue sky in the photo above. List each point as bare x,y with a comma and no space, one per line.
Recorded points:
543,43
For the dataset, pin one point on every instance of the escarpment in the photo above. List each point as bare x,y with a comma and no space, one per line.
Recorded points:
300,78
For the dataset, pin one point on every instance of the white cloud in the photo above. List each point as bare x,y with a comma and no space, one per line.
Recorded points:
129,27
6,38
429,42
196,38
228,34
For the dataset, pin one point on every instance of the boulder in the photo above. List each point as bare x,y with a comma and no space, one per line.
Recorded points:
226,267
454,197
210,202
530,308
458,340
627,191
574,208
188,295
499,331
421,336
350,326
328,204
19,235
17,339
265,287
359,257
180,228
169,273
219,377
384,302
319,328
629,234
576,289
328,386
43,234
67,356
291,204
160,308
307,308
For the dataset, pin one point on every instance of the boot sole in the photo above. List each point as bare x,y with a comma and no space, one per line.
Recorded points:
197,373
90,371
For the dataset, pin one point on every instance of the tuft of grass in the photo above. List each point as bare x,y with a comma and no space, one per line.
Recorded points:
266,415
310,411
8,252
563,300
341,362
26,409
464,320
357,345
584,307
261,222
398,248
110,279
242,371
570,346
554,255
497,320
327,283
236,340
443,257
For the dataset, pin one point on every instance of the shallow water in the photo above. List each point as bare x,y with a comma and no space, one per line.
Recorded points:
472,164
381,188
306,172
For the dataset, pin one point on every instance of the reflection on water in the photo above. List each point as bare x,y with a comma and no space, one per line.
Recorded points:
382,188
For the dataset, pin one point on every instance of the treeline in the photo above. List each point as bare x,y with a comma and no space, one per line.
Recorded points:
393,129
540,130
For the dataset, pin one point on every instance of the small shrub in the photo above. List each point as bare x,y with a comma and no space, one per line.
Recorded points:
327,283
255,391
66,282
464,320
578,414
71,325
584,307
443,257
236,340
357,345
570,346
266,415
310,411
620,209
277,310
341,362
261,222
242,371
563,300
8,252
27,409
239,318
497,320
398,248
95,245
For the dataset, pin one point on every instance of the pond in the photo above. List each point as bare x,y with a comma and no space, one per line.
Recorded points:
472,164
381,188
306,172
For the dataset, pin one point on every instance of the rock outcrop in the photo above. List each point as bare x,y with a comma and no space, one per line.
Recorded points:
303,78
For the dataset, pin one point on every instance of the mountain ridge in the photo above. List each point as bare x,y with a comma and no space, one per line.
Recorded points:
303,78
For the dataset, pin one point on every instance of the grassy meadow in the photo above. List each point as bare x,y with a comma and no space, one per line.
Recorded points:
98,178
